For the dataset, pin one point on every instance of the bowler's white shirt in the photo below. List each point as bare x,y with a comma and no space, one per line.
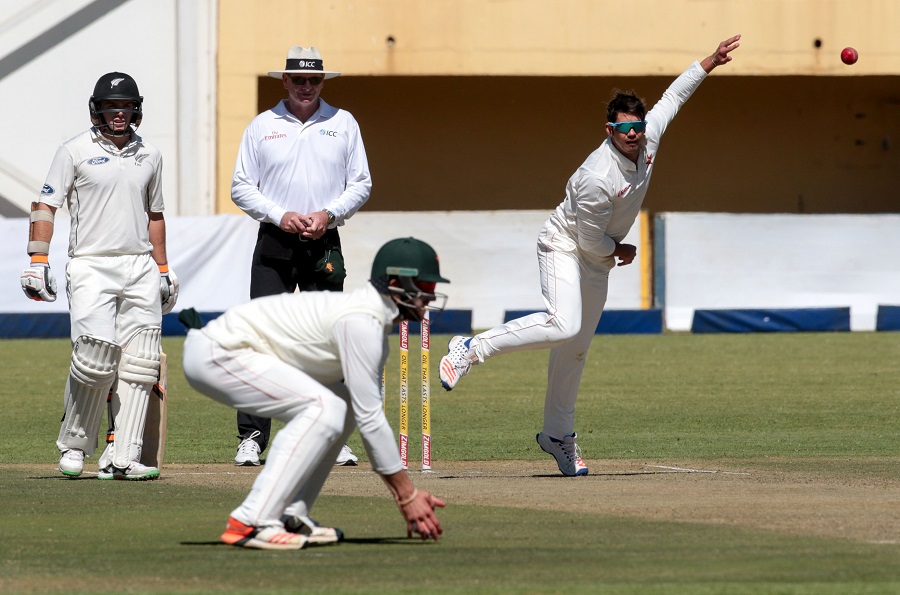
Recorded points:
604,196
330,336
284,164
109,193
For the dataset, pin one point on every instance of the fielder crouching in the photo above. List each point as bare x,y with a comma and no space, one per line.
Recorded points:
284,356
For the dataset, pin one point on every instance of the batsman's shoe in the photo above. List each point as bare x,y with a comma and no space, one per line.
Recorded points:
315,533
346,458
248,452
135,472
566,453
105,459
263,538
71,463
458,361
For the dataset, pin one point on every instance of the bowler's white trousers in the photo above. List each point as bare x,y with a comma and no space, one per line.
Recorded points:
574,294
317,423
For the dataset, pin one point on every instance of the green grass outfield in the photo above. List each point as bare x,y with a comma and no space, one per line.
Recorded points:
820,404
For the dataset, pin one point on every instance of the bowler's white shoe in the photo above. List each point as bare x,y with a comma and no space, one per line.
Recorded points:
458,361
134,472
566,453
248,451
71,463
263,538
315,533
346,458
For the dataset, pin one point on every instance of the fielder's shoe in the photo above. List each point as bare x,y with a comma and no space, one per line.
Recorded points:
458,361
566,453
346,458
263,538
134,472
71,463
315,533
248,451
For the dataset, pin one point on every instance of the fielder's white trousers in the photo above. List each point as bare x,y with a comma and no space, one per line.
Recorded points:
574,295
317,422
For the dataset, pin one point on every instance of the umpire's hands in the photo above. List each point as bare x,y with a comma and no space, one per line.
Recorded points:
38,282
419,514
168,288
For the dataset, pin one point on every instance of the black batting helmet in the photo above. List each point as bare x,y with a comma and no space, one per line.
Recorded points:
116,86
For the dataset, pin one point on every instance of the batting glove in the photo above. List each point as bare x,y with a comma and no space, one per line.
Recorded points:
38,282
168,288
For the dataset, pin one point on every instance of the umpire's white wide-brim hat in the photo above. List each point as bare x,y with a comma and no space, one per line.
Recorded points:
301,60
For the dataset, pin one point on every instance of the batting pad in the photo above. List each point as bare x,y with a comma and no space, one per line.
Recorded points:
154,446
91,373
138,372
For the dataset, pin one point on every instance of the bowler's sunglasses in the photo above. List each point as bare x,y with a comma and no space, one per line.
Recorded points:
626,127
301,80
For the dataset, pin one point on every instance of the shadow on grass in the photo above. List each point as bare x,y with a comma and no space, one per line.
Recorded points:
354,540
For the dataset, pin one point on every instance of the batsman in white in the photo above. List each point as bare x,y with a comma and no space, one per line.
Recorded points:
117,279
284,356
577,248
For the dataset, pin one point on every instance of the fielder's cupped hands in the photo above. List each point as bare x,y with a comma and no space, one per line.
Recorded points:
721,55
420,517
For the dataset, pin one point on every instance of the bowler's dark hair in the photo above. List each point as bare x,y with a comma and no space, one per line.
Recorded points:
625,102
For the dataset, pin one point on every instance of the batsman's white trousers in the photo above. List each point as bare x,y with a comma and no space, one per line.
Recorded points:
113,297
574,295
317,422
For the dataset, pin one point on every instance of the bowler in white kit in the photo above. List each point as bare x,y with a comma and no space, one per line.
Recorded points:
577,248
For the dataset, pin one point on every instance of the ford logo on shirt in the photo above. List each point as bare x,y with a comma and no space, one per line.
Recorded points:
48,189
98,160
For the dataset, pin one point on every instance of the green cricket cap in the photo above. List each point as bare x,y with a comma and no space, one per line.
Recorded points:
408,257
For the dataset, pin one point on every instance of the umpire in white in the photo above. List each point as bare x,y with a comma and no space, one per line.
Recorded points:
118,280
284,356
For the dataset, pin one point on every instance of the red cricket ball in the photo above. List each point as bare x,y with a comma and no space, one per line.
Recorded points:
849,56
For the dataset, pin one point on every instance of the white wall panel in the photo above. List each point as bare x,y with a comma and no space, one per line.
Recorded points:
715,260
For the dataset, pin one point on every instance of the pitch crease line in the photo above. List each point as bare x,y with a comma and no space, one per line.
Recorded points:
686,470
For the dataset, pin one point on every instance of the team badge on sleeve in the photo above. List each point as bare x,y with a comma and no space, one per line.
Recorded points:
47,189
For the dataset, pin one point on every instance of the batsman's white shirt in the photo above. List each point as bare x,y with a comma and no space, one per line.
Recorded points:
284,164
330,336
109,193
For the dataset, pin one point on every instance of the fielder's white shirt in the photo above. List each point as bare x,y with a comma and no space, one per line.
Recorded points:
284,164
330,336
604,196
109,193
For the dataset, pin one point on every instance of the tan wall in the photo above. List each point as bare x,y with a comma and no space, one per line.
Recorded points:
786,127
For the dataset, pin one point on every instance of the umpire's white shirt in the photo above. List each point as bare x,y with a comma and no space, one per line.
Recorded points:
284,164
330,336
604,196
109,193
